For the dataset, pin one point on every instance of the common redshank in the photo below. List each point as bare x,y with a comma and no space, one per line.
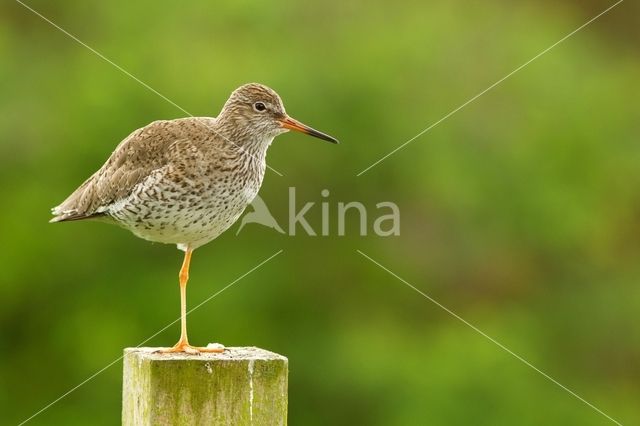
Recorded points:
186,181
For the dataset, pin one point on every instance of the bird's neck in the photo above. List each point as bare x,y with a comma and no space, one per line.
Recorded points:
237,132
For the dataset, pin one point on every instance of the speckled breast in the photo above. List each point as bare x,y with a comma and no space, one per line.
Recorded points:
188,209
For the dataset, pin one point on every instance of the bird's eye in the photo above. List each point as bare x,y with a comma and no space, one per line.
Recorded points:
259,106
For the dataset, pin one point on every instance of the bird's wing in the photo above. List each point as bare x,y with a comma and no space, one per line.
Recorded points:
136,157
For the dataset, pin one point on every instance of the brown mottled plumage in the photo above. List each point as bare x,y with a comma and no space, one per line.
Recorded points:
186,181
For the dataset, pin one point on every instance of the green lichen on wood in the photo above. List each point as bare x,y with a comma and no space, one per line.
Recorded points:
243,386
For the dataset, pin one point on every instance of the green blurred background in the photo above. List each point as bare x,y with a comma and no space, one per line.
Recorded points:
521,212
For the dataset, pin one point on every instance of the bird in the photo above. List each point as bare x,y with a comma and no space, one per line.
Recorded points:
185,181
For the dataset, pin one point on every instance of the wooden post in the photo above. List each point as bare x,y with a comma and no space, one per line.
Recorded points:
242,386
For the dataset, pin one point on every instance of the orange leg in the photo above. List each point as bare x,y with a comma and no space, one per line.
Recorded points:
183,344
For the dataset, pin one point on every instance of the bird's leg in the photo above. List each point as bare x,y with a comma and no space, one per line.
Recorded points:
184,278
183,344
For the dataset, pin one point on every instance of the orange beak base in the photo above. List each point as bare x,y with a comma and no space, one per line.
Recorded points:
291,124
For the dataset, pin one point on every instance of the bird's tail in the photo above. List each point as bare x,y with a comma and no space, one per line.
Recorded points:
69,215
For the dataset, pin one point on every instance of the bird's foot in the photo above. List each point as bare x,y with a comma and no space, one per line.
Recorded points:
184,347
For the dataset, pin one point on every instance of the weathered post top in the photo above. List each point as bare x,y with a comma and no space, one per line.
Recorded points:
241,386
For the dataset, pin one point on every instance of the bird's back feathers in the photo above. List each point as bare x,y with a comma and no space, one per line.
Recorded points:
134,159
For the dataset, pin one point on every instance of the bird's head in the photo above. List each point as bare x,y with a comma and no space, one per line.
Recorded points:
258,109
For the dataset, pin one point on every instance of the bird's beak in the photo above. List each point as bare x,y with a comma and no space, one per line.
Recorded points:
291,124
